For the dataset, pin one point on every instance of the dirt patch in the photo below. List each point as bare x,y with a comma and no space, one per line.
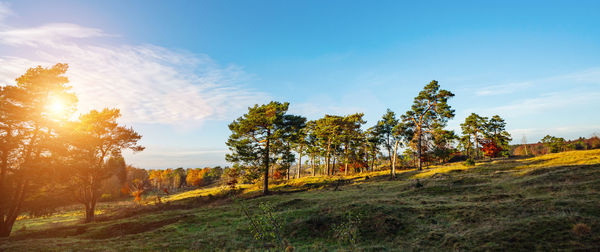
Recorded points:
128,228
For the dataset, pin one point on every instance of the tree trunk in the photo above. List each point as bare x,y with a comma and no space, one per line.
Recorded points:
476,147
6,227
334,159
266,179
328,157
393,172
346,159
373,162
389,149
312,164
89,213
419,150
299,162
366,162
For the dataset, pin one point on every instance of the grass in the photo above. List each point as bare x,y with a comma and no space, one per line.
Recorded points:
549,202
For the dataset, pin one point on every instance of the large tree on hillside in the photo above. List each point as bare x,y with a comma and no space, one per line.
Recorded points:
474,126
30,114
93,141
252,134
430,110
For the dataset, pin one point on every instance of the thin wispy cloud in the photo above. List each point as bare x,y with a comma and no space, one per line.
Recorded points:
503,89
586,76
545,103
5,11
589,76
47,35
149,83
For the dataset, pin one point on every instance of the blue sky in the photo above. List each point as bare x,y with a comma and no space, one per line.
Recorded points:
182,70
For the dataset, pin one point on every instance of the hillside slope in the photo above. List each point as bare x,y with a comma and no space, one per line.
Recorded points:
541,203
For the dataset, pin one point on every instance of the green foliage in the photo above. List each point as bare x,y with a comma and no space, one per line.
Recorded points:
554,144
265,226
430,111
469,162
474,127
385,131
348,231
478,130
261,136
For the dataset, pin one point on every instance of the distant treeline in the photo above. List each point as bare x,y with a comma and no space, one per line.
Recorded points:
552,144
128,179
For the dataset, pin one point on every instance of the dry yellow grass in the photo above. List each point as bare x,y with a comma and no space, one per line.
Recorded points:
561,159
569,158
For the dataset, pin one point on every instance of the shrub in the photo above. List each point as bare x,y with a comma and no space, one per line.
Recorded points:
469,162
581,229
348,230
266,227
106,197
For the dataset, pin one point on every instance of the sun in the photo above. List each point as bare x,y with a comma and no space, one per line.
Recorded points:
56,108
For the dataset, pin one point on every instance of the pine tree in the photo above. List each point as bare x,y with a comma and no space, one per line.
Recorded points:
430,110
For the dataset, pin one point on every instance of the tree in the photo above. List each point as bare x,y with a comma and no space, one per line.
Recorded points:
524,144
295,136
94,139
495,130
384,129
30,114
372,142
474,126
350,133
253,133
400,133
327,130
118,165
430,110
312,143
554,144
443,144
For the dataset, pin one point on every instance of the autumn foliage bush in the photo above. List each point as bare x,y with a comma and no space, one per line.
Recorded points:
490,148
581,229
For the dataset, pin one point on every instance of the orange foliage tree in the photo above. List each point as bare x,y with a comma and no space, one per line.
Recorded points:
93,140
29,143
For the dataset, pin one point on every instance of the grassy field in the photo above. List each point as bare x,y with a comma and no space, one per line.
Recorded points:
550,202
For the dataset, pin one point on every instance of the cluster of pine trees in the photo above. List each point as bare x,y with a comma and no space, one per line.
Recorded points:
265,141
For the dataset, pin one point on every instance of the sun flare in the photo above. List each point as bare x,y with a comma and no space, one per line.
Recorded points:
56,108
